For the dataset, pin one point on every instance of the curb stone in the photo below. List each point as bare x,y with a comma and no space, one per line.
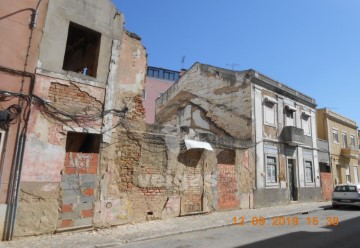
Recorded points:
128,241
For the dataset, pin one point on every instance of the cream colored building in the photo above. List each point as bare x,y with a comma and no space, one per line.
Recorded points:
342,135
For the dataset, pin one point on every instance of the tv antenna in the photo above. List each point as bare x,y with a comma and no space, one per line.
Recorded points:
233,65
182,61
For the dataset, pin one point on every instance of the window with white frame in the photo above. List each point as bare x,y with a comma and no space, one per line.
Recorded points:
269,113
271,169
309,176
306,124
344,140
352,140
335,136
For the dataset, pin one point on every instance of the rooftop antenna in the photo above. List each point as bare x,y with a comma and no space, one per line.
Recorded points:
233,65
182,61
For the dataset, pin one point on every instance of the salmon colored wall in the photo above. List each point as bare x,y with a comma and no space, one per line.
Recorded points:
153,87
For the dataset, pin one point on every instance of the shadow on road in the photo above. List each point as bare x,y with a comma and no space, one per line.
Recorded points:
345,234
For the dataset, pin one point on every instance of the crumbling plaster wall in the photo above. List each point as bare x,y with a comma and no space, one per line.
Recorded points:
225,97
123,150
44,154
245,166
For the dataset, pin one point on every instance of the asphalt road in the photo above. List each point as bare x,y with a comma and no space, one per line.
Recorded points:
328,228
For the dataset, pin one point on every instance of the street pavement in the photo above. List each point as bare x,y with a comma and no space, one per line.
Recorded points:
321,229
136,233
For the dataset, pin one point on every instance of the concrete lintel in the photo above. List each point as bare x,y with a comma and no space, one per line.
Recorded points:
72,76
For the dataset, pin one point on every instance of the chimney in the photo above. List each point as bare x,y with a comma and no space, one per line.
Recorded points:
182,72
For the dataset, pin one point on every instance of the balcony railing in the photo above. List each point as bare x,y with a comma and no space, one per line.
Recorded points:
293,136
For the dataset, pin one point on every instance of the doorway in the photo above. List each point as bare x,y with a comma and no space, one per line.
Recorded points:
79,181
291,178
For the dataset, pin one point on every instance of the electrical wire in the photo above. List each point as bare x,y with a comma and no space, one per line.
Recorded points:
54,114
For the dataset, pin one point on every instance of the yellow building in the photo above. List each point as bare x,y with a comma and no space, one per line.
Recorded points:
342,135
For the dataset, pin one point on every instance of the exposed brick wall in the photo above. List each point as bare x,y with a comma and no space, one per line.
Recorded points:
193,174
227,186
130,153
78,184
151,193
326,184
71,99
139,106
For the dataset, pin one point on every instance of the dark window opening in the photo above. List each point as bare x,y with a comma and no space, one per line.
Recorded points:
191,158
82,50
324,167
83,142
226,157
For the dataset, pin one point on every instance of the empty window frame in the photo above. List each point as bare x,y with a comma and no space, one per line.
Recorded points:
309,175
83,142
269,113
344,140
271,170
82,50
306,124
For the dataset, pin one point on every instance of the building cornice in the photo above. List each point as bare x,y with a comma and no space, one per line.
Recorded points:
341,119
277,87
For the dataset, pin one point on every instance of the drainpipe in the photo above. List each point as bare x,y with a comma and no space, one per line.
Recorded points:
14,188
17,160
16,169
256,169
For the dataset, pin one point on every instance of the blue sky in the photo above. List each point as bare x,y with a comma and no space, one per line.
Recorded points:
312,46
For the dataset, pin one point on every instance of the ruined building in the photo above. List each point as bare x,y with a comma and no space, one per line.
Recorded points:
262,132
75,150
71,79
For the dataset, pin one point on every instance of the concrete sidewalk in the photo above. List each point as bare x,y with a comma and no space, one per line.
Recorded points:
116,236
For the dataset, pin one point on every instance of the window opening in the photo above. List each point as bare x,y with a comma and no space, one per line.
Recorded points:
82,50
83,142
